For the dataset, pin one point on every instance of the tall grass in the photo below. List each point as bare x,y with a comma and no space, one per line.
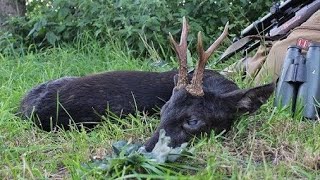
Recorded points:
268,144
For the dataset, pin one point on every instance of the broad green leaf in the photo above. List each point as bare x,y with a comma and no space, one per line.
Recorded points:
51,37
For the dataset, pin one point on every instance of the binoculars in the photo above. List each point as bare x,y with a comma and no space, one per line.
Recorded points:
299,82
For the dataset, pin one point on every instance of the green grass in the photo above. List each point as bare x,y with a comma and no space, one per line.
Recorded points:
268,144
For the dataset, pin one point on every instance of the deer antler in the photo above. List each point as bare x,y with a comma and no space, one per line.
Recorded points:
181,51
195,88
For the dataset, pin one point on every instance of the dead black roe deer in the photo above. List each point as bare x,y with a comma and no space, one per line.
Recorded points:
209,102
82,101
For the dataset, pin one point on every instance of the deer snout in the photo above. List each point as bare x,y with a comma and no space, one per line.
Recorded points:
149,145
177,138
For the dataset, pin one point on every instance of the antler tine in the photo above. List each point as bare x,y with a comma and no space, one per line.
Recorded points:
195,88
181,51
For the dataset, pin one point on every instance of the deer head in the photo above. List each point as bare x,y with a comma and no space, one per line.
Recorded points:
209,102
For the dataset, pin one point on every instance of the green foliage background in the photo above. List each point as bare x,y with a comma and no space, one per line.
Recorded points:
51,22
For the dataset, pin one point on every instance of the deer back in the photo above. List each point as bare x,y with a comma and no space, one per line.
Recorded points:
83,100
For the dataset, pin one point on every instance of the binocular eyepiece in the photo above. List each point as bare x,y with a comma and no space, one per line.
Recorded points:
300,81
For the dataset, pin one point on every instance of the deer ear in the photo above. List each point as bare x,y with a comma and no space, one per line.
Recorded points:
250,100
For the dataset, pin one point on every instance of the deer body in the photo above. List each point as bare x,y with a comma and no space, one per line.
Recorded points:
85,99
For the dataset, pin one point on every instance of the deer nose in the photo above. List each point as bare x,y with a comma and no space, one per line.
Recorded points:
159,139
149,145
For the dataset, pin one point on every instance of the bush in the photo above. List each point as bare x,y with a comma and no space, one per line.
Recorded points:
50,22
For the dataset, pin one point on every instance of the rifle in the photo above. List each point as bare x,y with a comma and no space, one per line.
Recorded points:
273,26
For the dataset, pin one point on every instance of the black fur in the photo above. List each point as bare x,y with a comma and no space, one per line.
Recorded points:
85,99
82,100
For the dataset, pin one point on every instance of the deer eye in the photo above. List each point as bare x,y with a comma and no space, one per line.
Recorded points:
193,122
